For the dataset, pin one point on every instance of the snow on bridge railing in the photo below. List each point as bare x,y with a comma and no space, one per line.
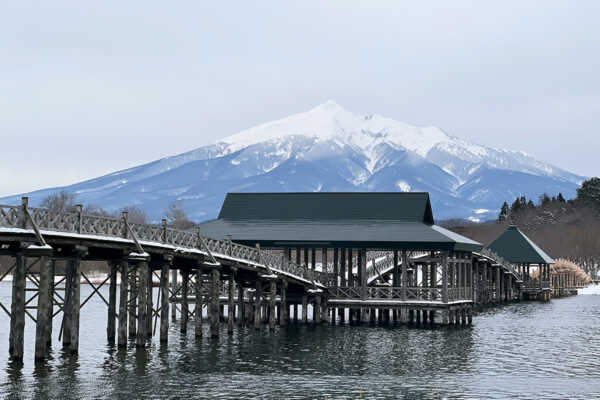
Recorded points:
96,225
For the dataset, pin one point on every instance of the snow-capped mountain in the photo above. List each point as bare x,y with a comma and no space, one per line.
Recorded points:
330,149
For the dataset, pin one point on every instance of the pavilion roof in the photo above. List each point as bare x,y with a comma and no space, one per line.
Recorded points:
515,247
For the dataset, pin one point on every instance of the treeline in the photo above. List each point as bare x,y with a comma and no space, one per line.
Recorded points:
567,229
67,202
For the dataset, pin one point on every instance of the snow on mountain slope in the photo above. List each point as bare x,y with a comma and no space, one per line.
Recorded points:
330,149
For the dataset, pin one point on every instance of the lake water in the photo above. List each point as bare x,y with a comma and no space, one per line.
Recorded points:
529,350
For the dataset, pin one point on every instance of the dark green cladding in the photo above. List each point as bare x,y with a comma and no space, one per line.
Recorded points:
372,220
515,247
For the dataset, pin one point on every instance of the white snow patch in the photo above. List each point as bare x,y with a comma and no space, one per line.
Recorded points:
403,186
235,162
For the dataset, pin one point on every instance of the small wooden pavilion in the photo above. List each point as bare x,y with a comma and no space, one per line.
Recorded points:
515,247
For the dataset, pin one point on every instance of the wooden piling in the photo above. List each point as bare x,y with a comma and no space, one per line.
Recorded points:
122,337
215,276
149,302
257,304
241,305
66,322
231,304
185,308
75,304
41,326
304,308
272,302
173,289
17,310
317,311
133,298
142,331
164,298
198,306
112,303
283,309
51,273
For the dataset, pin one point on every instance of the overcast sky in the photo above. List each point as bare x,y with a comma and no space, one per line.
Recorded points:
87,88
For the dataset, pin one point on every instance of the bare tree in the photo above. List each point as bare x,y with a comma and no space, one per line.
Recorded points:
135,214
177,217
62,201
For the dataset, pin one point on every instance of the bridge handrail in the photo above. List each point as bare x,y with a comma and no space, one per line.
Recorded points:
102,226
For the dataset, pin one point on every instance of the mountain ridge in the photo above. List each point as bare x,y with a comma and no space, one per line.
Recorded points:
329,149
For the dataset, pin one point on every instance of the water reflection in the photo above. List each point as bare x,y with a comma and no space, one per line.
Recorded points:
528,350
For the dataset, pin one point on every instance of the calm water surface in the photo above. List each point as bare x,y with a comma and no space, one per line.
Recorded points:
530,350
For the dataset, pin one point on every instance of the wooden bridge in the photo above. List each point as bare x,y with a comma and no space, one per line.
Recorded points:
402,269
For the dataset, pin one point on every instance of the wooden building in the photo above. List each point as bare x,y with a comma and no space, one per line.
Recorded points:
515,247
342,234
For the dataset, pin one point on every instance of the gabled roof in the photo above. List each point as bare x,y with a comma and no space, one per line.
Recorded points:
336,206
370,220
515,247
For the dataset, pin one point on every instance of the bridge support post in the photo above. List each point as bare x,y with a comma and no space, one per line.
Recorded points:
41,327
283,308
272,299
185,309
231,304
142,331
304,308
164,297
317,310
122,339
173,289
215,279
51,272
257,304
112,303
133,298
241,305
75,301
198,304
17,310
149,301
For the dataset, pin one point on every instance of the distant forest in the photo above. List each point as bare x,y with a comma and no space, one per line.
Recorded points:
567,229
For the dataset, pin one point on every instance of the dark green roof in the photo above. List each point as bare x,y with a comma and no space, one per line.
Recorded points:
396,206
515,247
371,220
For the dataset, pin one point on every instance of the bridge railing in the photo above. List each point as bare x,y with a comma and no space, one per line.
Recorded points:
24,217
398,293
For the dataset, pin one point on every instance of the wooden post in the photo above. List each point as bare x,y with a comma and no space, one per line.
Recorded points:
317,310
351,281
164,298
185,308
112,303
241,305
66,322
17,310
142,331
295,306
122,339
51,271
75,304
336,270
198,306
231,304
41,327
343,281
283,317
498,285
404,275
215,323
173,289
304,308
445,279
149,302
133,298
257,304
272,299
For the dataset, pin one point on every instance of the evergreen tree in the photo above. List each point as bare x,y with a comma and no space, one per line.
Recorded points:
545,199
503,212
515,206
530,205
589,193
560,198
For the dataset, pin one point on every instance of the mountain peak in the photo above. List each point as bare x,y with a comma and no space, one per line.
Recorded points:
329,106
